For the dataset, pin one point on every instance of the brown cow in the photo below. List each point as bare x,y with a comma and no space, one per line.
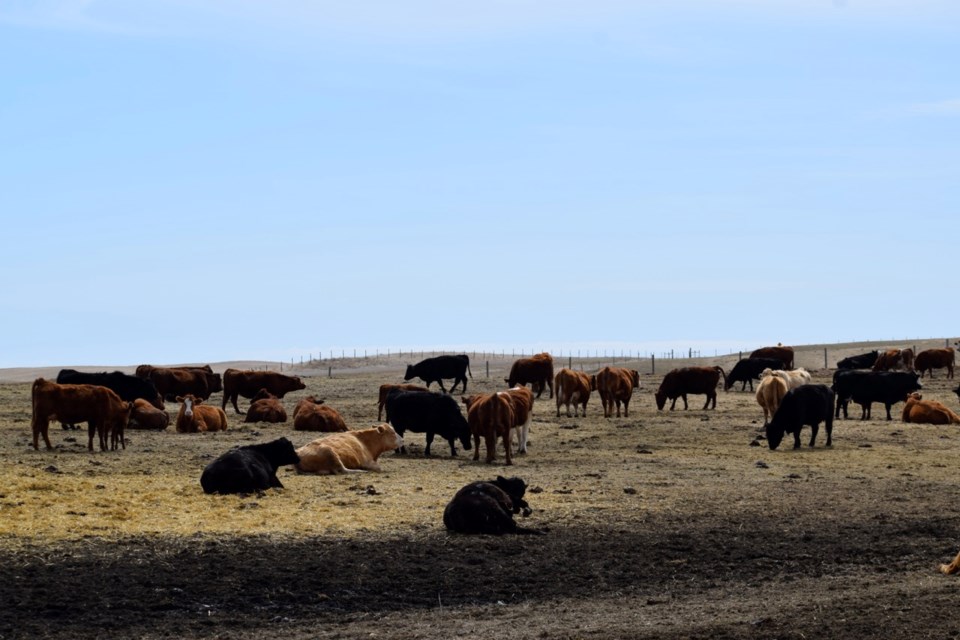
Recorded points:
536,370
247,383
931,359
770,393
894,360
781,353
616,385
99,407
179,381
303,403
927,411
143,371
387,388
318,417
265,407
574,387
679,382
491,416
196,417
348,452
146,416
521,401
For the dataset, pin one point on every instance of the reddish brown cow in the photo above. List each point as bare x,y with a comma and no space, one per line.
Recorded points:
931,359
302,404
894,359
180,381
615,386
146,416
574,387
781,353
265,407
679,382
196,417
491,417
247,383
536,371
927,411
318,417
100,407
521,401
387,388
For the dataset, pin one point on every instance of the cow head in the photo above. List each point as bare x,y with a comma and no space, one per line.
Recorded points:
279,452
390,438
189,401
214,382
661,399
411,372
774,432
635,378
593,382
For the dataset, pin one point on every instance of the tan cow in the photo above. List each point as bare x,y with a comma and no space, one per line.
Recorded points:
615,386
387,388
770,392
99,407
490,417
793,378
927,411
352,451
196,417
573,387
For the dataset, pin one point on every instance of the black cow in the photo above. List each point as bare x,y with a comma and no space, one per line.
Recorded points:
249,469
129,388
863,361
748,370
440,367
808,404
488,508
867,387
433,413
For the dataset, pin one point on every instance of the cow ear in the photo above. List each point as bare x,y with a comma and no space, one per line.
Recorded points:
179,398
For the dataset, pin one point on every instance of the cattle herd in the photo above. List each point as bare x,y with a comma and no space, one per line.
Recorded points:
111,402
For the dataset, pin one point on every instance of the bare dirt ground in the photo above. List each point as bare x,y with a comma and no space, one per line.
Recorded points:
660,525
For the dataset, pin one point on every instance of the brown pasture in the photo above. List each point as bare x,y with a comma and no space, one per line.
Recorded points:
660,525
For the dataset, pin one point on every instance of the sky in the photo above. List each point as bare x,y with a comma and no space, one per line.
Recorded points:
211,180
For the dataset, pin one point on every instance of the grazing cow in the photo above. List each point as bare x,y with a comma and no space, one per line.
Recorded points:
351,451
808,404
318,417
248,383
146,416
781,353
894,360
129,388
793,378
679,382
99,407
931,359
748,370
196,417
249,469
521,401
770,393
536,371
387,388
867,387
574,387
927,411
433,413
490,417
488,508
180,381
862,361
265,407
440,367
615,386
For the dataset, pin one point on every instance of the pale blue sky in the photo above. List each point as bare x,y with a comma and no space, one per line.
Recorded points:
199,180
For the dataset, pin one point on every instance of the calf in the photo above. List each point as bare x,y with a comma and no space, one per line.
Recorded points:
249,469
196,417
680,382
931,359
318,417
146,416
919,410
440,367
748,370
536,371
867,387
351,451
248,383
488,508
490,417
770,394
808,404
615,386
266,407
862,361
432,413
574,387
102,410
387,388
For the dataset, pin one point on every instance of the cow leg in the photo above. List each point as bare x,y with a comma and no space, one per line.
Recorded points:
476,447
550,384
685,405
440,382
506,447
491,441
887,405
828,426
426,451
626,408
41,427
813,435
91,428
673,405
796,438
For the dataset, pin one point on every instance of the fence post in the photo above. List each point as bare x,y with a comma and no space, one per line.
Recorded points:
488,368
653,364
825,358
329,372
740,357
569,362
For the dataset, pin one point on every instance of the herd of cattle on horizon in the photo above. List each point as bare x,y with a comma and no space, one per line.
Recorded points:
111,402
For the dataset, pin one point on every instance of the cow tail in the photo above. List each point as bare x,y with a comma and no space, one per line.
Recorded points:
468,369
720,369
33,395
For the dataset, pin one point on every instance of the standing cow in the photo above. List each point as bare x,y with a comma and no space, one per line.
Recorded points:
680,382
536,371
615,386
574,387
867,387
931,359
781,353
748,370
439,368
809,404
433,413
102,410
248,383
862,361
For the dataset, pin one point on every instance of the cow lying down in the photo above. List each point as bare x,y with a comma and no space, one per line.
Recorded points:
248,469
488,508
350,451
